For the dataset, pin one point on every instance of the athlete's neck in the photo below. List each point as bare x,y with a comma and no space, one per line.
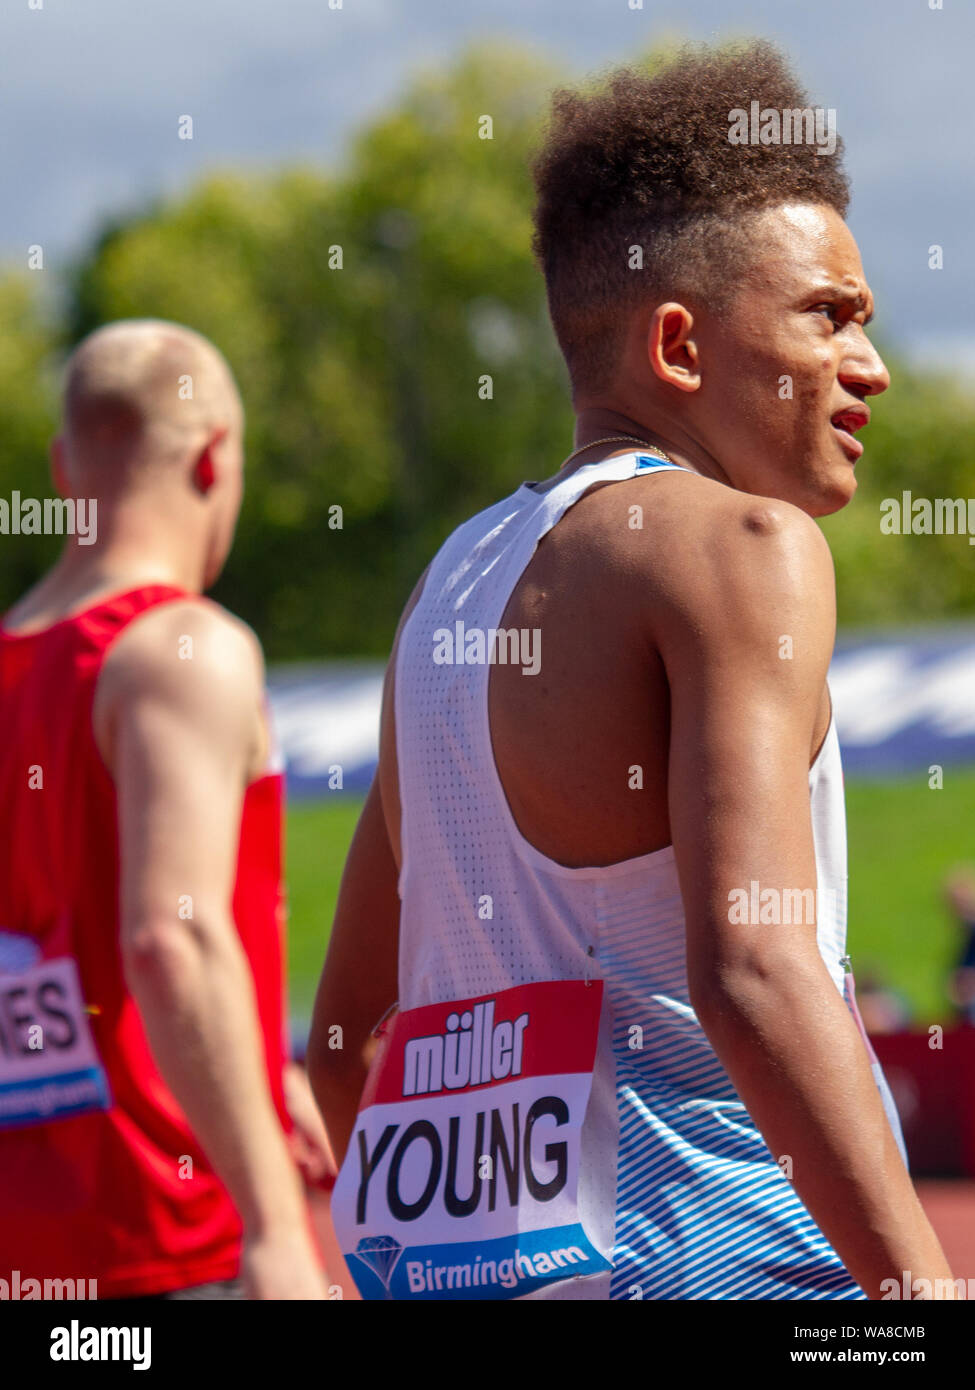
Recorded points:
83,575
603,422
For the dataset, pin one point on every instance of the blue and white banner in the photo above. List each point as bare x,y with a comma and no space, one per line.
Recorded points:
326,718
903,703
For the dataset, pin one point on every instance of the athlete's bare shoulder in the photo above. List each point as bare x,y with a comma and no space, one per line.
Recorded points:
191,657
160,641
697,548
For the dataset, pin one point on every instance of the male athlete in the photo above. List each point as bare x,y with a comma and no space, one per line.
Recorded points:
144,1082
602,867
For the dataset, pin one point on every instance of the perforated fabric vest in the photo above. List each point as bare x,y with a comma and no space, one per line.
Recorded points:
677,1187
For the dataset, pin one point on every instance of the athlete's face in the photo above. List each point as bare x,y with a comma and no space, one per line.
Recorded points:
785,372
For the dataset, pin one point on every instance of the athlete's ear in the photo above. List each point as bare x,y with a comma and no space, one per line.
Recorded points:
671,347
205,468
59,468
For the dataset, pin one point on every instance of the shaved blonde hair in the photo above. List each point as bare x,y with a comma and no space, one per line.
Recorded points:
144,393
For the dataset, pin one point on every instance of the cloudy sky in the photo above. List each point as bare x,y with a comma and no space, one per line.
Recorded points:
91,90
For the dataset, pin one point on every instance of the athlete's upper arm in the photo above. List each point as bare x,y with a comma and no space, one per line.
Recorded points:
359,980
176,715
388,773
746,638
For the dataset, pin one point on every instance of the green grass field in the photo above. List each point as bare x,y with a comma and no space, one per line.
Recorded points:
903,837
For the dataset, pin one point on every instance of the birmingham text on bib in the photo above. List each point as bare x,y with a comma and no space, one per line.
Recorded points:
461,1179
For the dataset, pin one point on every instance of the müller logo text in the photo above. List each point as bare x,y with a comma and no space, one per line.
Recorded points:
473,1050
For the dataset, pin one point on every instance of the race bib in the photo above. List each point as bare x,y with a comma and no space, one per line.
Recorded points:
461,1177
48,1064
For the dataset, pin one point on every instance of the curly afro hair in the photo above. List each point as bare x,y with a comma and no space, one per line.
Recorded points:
644,159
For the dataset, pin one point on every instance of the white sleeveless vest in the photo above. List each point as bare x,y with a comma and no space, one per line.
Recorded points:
676,1187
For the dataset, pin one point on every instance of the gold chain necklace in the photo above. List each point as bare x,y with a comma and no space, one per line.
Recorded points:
619,439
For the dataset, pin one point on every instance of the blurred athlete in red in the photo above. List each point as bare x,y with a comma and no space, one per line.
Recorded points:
144,1083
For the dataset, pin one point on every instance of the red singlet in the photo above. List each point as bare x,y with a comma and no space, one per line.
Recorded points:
100,1177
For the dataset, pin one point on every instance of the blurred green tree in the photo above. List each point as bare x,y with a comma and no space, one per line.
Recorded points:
28,410
388,330
921,439
387,325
